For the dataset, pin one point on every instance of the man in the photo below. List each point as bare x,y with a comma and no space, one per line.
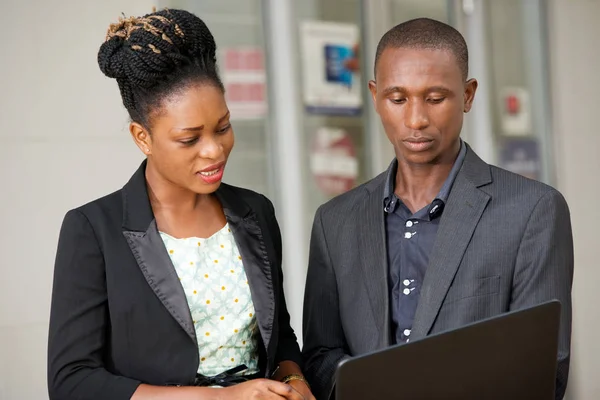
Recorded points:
439,240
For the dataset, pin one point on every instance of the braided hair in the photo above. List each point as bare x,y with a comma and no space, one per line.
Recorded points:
156,55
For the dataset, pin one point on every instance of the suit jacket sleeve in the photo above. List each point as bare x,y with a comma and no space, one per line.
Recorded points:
544,270
324,341
79,319
287,349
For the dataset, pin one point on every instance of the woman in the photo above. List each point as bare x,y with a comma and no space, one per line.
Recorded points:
172,286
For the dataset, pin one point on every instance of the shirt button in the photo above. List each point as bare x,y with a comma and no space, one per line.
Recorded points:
407,332
406,291
406,282
407,235
409,224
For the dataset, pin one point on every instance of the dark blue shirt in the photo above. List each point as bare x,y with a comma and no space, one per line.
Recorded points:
410,238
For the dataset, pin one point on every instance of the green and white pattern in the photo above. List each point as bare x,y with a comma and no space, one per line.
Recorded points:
216,287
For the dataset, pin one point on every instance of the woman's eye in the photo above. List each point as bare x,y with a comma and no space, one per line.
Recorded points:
188,142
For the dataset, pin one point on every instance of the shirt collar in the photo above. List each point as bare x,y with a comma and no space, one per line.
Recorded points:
444,192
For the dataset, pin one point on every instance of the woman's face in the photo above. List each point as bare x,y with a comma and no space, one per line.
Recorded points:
190,138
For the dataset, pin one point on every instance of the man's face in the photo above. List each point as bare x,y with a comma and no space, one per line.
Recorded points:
421,96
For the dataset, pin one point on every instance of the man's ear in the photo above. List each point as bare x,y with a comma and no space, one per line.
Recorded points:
470,89
373,90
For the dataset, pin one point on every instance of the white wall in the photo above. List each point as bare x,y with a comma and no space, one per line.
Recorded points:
575,57
63,141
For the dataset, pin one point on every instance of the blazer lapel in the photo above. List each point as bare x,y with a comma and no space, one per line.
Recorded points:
154,262
373,259
461,215
141,232
257,265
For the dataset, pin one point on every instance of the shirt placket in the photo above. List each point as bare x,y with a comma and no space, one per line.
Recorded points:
409,278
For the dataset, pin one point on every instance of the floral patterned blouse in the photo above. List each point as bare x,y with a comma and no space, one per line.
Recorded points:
217,291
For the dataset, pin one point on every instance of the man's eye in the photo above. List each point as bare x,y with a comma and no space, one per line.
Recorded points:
436,100
398,101
224,129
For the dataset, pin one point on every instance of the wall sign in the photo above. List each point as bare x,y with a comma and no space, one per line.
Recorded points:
521,156
333,161
244,78
331,86
515,111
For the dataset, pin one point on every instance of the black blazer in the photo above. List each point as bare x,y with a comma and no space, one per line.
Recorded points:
119,316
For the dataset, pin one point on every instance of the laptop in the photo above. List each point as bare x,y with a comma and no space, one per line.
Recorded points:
511,356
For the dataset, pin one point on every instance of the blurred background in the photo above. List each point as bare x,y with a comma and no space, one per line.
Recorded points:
305,130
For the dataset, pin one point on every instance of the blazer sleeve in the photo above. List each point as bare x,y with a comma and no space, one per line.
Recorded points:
287,348
79,319
544,270
324,340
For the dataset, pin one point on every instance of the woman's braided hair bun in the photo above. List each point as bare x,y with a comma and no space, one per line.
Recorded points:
154,54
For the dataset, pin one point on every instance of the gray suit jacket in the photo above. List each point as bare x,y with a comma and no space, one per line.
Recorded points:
504,243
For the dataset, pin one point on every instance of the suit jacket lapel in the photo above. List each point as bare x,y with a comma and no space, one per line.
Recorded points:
373,259
257,265
155,263
140,230
461,215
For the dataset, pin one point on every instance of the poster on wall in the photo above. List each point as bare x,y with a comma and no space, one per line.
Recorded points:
331,81
516,111
521,156
244,77
333,161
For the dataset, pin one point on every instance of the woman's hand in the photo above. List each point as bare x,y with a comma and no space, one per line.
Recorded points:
262,389
287,368
302,388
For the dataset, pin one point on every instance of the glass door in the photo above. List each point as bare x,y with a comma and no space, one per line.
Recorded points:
332,105
515,31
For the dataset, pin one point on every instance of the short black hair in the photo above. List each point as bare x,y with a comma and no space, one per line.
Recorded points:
426,33
156,55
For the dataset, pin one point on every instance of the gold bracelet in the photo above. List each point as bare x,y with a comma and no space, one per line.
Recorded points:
295,377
